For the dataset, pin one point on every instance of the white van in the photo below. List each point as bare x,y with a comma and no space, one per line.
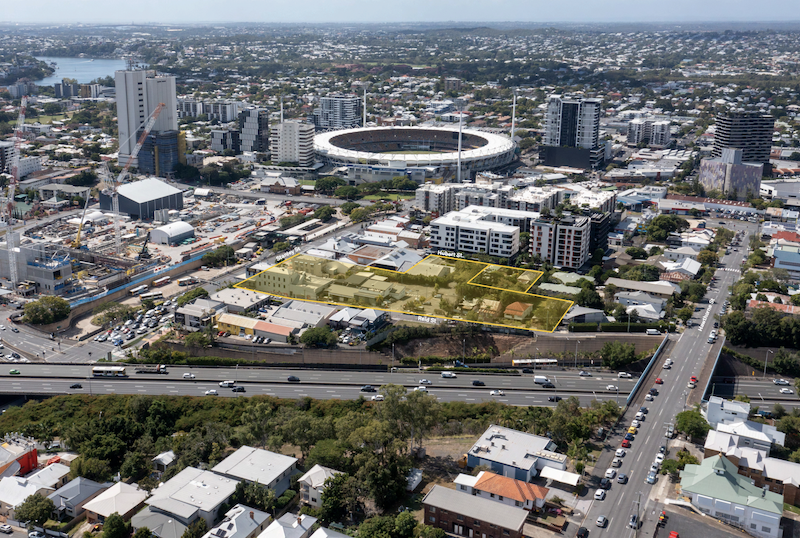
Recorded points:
448,375
227,383
624,375
653,332
540,380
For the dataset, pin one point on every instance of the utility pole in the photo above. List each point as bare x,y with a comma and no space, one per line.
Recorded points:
576,354
638,512
766,358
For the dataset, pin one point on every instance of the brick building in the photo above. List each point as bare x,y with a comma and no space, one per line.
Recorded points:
468,515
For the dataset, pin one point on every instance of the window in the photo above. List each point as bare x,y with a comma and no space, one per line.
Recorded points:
500,498
506,532
431,509
517,503
765,529
432,519
460,517
753,526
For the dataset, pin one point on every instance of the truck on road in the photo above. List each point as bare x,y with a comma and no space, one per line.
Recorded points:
540,380
152,369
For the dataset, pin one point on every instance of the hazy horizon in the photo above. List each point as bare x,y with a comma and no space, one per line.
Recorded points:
409,11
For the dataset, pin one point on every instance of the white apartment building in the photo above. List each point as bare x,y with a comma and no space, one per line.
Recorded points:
190,108
433,198
29,165
338,111
222,111
535,199
467,231
572,122
138,95
292,141
494,196
563,242
721,411
604,201
656,133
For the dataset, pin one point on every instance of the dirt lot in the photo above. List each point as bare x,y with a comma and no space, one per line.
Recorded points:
453,346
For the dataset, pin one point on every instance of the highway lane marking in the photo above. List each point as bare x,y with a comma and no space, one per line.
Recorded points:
337,395
640,457
174,391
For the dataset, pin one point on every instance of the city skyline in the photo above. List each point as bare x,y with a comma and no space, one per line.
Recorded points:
362,11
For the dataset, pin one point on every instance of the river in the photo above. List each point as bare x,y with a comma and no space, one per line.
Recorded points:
83,69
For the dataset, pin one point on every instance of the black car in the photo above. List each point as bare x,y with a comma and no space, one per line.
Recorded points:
583,532
662,449
605,483
643,410
478,383
548,386
554,398
527,371
368,388
654,391
629,437
76,386
634,522
293,379
238,388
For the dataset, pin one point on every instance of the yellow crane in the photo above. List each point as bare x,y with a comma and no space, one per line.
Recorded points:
76,243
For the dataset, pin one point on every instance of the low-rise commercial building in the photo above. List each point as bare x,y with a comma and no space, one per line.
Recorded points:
470,515
514,454
193,494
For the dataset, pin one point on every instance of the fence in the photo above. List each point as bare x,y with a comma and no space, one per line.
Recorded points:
647,369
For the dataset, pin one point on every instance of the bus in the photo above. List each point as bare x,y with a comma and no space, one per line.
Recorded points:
138,290
152,296
187,281
534,362
161,282
109,371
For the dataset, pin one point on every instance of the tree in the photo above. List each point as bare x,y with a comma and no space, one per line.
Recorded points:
116,527
324,213
377,527
143,532
685,314
319,337
433,532
692,424
190,296
197,339
280,246
196,529
589,298
670,467
329,184
348,207
36,509
340,499
91,468
617,354
661,226
48,309
347,192
707,257
637,253
404,525
219,257
360,214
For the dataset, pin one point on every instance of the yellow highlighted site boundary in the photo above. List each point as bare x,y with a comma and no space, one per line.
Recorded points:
441,287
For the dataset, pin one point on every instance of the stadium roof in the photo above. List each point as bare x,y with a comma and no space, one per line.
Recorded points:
147,190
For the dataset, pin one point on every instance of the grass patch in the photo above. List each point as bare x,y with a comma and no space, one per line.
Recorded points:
312,182
791,508
48,119
392,197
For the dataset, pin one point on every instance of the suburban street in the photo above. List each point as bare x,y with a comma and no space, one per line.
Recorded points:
689,352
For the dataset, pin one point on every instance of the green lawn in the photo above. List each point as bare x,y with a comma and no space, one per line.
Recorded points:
48,119
392,197
308,182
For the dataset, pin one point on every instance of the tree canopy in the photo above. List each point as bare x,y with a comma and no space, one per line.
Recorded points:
36,509
663,225
48,309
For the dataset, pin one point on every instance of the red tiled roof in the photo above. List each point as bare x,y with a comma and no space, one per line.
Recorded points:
510,487
785,308
517,308
794,237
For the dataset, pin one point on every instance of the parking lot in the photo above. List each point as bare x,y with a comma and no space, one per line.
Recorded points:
688,525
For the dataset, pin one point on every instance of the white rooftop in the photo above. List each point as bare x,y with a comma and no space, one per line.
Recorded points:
239,522
15,489
192,490
317,475
50,475
255,465
120,498
510,447
146,190
289,526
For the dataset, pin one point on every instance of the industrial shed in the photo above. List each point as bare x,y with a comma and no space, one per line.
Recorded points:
174,232
142,198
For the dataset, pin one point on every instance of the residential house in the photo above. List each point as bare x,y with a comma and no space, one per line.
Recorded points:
190,495
250,464
158,523
720,411
240,522
14,490
163,461
322,532
514,454
470,515
121,498
754,434
518,311
715,488
681,253
53,476
70,498
312,484
503,489
638,298
290,526
664,290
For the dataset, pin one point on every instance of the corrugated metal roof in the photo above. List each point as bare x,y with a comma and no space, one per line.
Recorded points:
147,190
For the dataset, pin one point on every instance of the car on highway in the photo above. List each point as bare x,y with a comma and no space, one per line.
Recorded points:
14,330
643,409
228,383
377,398
693,379
599,495
13,371
478,383
425,382
497,393
548,386
659,458
449,375
36,534
634,521
293,379
421,388
611,387
583,532
212,392
622,478
786,391
554,398
691,385
527,371
6,529
601,521
625,443
629,436
605,483
584,373
780,382
648,398
667,366
653,391
368,388
654,467
624,375
636,424
659,381
188,375
617,462
610,473
651,478
662,449
238,389
639,416
620,453
76,386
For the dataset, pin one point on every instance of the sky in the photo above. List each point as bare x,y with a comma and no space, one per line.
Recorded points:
343,11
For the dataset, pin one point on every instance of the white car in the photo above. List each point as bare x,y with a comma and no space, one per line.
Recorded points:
212,392
188,375
659,458
620,453
599,495
780,381
425,382
648,397
421,389
611,473
6,529
611,387
377,398
787,391
497,393
636,423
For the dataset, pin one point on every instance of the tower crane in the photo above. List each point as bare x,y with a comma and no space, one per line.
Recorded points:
114,184
12,190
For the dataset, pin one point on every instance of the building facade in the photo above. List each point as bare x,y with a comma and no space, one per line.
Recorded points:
572,132
473,232
469,515
563,242
338,111
732,176
254,130
293,142
225,139
161,152
750,132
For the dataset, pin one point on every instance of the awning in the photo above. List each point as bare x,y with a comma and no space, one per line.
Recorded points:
560,476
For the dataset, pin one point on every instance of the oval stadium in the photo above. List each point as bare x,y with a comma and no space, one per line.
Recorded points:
415,147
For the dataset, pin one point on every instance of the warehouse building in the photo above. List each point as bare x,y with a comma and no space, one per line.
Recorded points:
142,198
171,233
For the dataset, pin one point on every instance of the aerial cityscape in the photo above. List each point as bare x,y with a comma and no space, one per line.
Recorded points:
376,275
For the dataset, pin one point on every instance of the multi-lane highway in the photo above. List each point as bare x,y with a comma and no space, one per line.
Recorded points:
689,353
